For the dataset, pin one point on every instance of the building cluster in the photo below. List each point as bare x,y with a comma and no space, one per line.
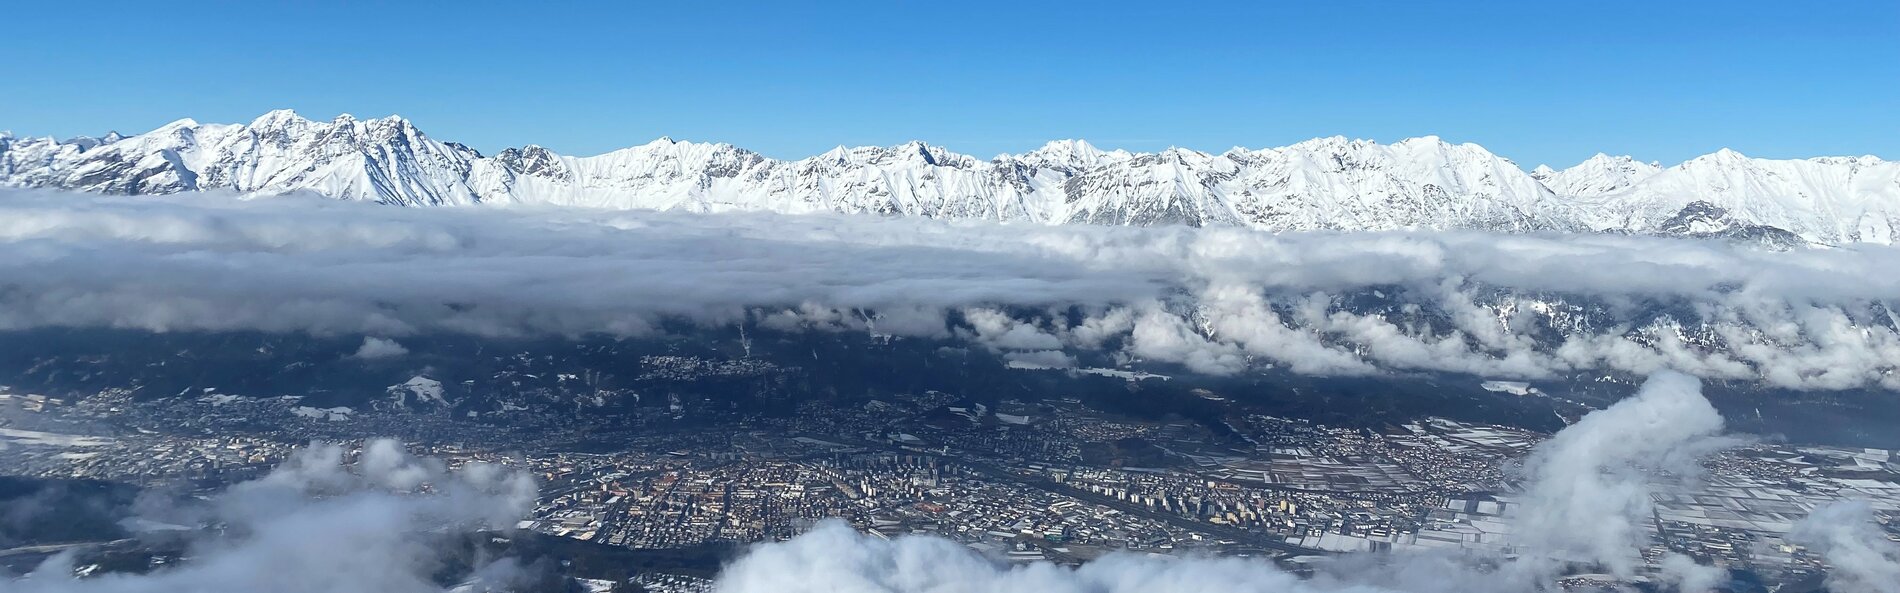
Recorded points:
1056,481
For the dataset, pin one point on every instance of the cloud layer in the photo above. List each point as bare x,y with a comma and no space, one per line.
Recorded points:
1215,300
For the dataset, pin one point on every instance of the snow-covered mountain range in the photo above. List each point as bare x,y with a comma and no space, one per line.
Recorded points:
1326,183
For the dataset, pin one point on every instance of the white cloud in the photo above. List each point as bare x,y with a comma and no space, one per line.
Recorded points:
1216,300
317,524
1587,497
1862,558
376,348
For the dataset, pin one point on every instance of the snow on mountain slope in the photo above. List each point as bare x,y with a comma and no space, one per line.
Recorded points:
1598,175
1176,186
1320,184
1826,200
386,160
1071,156
912,179
1340,184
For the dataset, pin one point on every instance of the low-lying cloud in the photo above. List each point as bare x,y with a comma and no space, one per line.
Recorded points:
1215,300
375,348
1861,557
320,524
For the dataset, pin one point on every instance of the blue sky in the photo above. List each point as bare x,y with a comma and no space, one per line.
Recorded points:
1536,81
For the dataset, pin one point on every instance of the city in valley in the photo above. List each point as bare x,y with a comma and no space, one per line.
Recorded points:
1056,479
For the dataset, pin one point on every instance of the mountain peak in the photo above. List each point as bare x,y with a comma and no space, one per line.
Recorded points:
278,119
394,121
175,125
1609,161
1070,146
837,155
922,150
1073,155
1329,183
660,143
1331,145
1433,143
1600,174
